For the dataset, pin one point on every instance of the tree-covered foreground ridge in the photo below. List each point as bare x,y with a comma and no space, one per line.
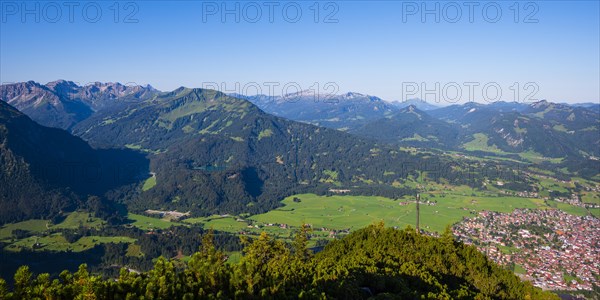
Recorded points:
374,262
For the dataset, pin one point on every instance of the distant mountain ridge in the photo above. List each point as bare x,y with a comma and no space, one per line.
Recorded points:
215,153
414,127
62,104
417,103
553,130
545,128
345,111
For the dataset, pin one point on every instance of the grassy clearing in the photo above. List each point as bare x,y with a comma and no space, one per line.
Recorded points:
148,223
76,219
220,223
56,242
88,242
574,210
149,183
234,257
507,249
73,220
552,185
53,242
519,269
265,134
185,110
590,197
535,157
134,250
416,137
29,225
480,143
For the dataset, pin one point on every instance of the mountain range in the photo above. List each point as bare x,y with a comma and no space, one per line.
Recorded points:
207,152
500,127
542,129
333,111
62,104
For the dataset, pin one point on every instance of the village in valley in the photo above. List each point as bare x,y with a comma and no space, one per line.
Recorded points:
552,249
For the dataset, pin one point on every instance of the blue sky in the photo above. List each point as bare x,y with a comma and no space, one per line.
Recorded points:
381,48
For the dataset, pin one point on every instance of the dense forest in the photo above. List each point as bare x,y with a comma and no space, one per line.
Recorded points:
46,171
374,262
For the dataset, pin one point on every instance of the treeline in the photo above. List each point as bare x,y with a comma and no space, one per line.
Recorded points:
375,262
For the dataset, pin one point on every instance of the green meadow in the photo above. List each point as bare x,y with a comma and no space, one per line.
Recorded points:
56,242
41,235
149,183
220,223
149,223
353,212
72,221
35,226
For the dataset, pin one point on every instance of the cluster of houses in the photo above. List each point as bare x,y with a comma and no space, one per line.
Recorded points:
171,215
575,200
558,251
522,194
425,202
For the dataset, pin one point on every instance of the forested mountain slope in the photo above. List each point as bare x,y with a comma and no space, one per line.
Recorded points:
213,153
46,170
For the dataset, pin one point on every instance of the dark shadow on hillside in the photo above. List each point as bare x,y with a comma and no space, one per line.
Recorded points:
105,170
252,182
63,161
47,262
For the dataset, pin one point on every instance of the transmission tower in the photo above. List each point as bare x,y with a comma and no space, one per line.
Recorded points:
417,200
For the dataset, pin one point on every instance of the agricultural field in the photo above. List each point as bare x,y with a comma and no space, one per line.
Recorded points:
575,210
77,219
42,239
590,197
71,221
149,223
480,143
352,212
35,226
56,242
330,216
221,223
440,207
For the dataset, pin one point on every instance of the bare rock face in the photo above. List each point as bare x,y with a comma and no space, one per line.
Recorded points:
27,94
63,104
